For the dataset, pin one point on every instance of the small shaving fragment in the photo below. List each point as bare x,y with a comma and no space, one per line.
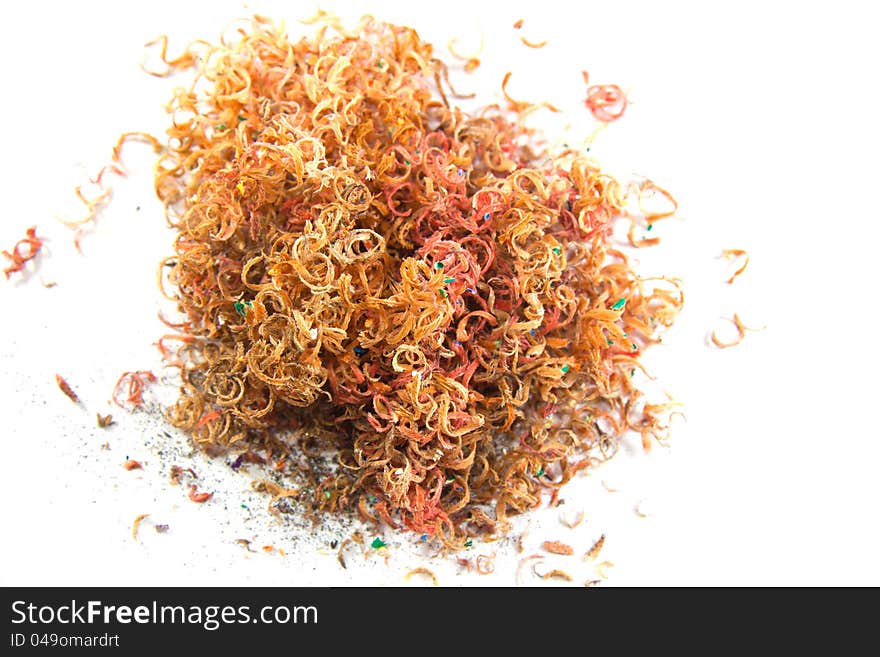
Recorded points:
572,520
177,472
199,498
602,567
594,551
357,537
422,571
486,564
533,44
66,389
556,547
523,562
740,330
736,253
136,525
557,574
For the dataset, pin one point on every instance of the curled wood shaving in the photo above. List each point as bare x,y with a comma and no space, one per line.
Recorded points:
736,253
422,571
603,567
177,472
522,563
356,538
486,563
572,520
136,525
533,44
199,498
740,330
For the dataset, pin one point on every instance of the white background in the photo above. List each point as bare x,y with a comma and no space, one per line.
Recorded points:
760,117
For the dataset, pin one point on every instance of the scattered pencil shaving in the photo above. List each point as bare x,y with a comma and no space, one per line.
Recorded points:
136,525
639,511
522,107
533,44
556,547
602,568
277,492
648,189
176,472
520,540
246,544
421,570
467,564
161,529
591,583
124,138
733,254
101,192
740,330
199,498
471,62
104,421
131,464
608,487
355,539
93,202
571,520
49,285
136,382
606,102
594,551
522,563
552,574
64,386
25,250
188,57
554,499
105,446
486,564
268,548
